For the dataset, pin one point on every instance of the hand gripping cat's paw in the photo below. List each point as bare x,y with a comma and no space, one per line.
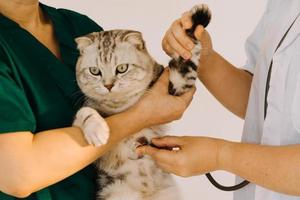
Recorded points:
94,127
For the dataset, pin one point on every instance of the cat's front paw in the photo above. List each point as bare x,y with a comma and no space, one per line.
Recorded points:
94,127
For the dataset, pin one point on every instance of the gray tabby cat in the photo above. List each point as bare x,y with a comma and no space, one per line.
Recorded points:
113,71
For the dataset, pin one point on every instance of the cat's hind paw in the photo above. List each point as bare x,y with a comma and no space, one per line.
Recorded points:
93,125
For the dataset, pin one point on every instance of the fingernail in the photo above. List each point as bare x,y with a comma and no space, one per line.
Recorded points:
190,46
186,55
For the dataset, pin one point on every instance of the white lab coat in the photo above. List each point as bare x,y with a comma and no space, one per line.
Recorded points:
282,124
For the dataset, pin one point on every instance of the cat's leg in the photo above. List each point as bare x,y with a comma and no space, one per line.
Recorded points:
94,127
183,75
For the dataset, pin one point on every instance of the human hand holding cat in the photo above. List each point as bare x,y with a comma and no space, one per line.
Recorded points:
157,106
196,155
177,42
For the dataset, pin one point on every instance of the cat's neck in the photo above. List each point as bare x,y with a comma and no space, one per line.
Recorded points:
110,106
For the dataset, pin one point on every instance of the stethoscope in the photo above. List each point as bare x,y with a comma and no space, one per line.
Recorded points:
245,182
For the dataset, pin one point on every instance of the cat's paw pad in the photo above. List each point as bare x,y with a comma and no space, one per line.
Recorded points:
94,127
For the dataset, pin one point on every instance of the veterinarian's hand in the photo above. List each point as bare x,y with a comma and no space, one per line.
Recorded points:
197,155
177,42
157,106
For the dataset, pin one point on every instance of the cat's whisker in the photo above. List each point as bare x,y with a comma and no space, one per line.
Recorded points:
76,93
78,102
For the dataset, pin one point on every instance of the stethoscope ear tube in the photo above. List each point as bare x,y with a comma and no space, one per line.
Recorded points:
226,188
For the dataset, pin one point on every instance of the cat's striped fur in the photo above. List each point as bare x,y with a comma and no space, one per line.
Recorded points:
114,71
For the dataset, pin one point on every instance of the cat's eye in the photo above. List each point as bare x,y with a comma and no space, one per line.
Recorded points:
95,71
122,68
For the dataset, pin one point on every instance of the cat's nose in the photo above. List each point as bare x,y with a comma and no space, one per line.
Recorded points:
109,86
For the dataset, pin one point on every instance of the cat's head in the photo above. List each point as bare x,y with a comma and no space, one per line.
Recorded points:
114,69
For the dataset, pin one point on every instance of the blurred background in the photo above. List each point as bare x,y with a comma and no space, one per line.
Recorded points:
231,24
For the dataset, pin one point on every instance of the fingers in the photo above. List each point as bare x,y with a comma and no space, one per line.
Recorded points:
181,36
165,159
186,21
167,48
174,44
165,167
198,32
168,141
147,150
160,156
188,96
176,41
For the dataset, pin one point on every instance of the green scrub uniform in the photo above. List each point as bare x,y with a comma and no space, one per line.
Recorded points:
39,92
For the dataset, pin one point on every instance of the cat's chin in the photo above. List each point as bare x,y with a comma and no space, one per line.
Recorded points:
107,108
108,111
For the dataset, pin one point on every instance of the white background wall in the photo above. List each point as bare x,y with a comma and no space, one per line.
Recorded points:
232,22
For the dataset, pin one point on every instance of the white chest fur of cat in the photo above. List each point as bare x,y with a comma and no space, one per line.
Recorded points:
113,71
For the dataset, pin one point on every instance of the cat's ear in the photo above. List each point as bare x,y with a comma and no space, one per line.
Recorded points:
135,38
85,41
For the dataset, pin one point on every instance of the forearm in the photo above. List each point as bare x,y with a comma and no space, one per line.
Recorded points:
275,168
47,157
230,85
49,148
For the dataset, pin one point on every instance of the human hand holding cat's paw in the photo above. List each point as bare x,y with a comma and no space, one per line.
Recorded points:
177,43
196,155
94,127
157,106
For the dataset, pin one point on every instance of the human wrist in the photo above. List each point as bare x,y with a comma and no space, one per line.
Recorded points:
225,155
124,124
139,115
206,60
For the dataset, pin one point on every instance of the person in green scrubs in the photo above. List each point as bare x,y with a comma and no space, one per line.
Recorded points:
41,156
